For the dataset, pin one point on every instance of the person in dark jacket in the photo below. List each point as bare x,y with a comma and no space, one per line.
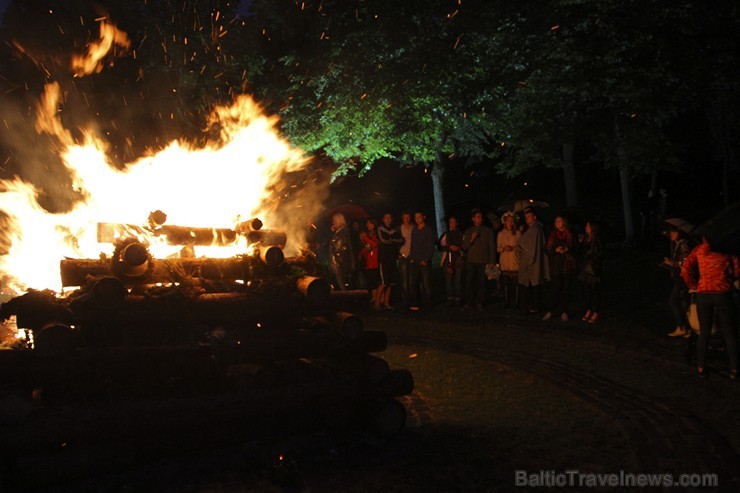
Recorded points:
533,267
593,251
420,259
390,241
479,245
451,244
560,251
679,299
341,256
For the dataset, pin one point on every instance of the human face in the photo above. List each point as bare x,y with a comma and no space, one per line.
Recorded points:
587,228
387,220
560,223
370,225
419,219
509,223
477,219
453,223
674,235
406,218
530,218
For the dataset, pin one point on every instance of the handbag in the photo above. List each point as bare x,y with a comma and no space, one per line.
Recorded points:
492,272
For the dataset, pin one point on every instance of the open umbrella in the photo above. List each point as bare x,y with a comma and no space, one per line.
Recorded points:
351,212
680,224
723,230
518,205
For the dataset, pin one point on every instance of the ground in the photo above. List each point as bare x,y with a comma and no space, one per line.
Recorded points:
498,392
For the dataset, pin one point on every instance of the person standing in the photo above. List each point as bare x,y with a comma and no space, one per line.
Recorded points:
712,275
420,259
533,267
390,241
406,229
451,243
341,256
560,246
507,244
679,299
369,255
593,251
479,246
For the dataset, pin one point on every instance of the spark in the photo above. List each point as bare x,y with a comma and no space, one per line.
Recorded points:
457,41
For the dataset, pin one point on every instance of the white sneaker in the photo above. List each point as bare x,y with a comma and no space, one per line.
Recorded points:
547,317
564,317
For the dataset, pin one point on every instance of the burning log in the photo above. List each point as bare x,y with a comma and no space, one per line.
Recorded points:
175,235
272,256
247,226
131,259
270,237
185,235
77,272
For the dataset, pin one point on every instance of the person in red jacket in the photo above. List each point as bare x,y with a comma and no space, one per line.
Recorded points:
712,275
369,255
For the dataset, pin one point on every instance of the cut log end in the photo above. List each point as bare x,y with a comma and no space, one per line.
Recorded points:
385,418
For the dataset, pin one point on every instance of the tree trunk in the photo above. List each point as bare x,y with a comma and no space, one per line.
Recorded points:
722,142
624,179
629,223
438,173
569,171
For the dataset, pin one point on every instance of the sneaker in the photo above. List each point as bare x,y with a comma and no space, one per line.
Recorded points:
564,317
679,332
547,316
586,316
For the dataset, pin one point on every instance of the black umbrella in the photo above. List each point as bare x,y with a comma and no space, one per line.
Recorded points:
723,230
680,224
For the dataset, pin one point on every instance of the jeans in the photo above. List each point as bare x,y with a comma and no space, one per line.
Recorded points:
420,274
475,280
679,303
721,306
403,273
561,297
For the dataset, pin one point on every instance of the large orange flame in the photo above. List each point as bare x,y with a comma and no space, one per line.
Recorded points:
216,184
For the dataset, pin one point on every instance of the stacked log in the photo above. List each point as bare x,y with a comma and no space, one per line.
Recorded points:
251,342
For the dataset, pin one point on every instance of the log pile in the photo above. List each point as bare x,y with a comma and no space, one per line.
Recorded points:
259,336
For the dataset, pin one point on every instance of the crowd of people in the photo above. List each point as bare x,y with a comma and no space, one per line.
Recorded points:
517,253
523,256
